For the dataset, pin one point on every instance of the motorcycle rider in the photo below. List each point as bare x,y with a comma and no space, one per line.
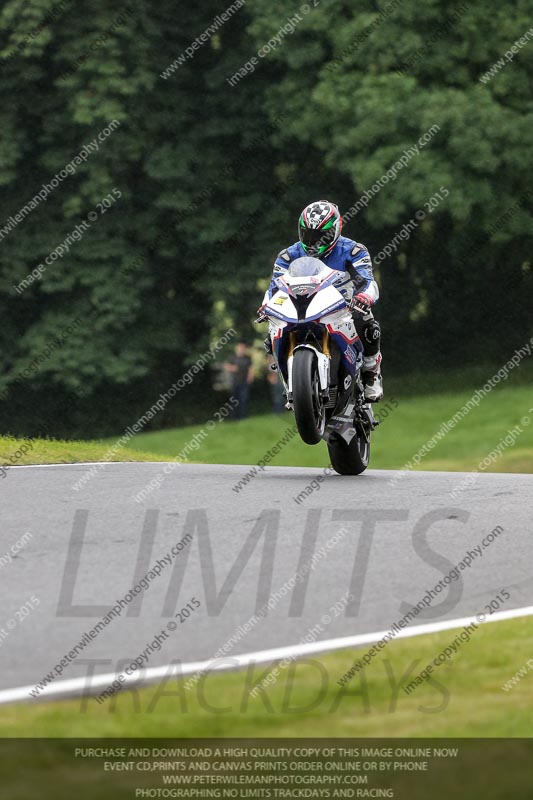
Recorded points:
319,233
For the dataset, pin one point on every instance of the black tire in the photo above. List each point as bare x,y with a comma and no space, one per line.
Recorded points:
349,459
308,406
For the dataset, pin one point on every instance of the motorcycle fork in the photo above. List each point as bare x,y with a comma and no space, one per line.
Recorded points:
292,344
325,344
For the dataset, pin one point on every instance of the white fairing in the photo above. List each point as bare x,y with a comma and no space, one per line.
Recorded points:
321,308
330,296
281,302
341,322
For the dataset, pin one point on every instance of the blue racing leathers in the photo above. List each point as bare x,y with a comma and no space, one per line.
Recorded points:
349,257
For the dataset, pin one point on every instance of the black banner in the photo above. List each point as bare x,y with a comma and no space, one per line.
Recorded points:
405,769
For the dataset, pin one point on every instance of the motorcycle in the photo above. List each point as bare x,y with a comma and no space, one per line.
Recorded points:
319,357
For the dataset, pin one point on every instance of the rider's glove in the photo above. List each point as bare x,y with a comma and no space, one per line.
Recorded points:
361,302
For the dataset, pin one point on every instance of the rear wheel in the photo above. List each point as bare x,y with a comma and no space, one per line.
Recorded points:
349,459
307,401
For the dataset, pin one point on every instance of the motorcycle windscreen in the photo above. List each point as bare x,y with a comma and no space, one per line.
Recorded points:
305,267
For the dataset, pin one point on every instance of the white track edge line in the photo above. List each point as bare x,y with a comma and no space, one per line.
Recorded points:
76,686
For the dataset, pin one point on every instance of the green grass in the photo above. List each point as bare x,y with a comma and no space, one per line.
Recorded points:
407,427
465,699
53,451
409,423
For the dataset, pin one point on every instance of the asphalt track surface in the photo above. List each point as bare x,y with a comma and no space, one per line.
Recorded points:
385,542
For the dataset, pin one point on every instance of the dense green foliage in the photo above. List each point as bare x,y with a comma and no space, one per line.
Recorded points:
210,178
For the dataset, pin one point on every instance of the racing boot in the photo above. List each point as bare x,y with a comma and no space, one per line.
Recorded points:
371,375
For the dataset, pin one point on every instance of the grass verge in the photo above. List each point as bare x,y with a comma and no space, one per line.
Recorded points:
15,452
408,423
463,698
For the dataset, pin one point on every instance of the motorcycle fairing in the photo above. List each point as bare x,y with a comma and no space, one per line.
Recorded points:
342,330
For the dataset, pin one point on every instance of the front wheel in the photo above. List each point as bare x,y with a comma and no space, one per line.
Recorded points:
349,459
308,405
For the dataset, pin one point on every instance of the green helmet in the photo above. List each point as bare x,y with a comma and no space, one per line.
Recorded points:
319,228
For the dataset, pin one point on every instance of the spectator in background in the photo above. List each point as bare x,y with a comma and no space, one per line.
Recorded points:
242,375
